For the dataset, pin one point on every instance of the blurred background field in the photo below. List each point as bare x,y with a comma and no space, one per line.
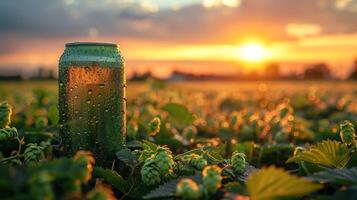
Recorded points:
315,106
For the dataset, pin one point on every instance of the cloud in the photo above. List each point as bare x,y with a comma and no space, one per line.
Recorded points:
302,30
225,22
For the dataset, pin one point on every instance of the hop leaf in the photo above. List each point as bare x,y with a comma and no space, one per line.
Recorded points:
347,133
8,133
188,189
5,114
87,159
150,175
238,162
154,126
212,179
33,153
164,160
271,183
327,153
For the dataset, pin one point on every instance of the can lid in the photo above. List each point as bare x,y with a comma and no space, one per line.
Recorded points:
90,44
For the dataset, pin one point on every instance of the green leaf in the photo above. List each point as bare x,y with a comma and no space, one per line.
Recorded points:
127,157
111,177
270,183
328,153
338,176
169,189
179,114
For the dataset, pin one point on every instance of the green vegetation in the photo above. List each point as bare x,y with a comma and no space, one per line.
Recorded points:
279,140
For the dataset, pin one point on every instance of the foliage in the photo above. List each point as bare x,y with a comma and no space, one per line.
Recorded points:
189,143
271,183
328,153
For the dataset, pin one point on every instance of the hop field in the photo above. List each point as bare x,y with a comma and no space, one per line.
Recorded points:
190,140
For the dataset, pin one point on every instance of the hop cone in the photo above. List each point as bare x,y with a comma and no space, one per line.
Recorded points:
8,133
100,192
33,153
154,126
347,133
149,173
145,154
164,160
198,162
188,189
88,161
238,162
299,150
212,178
5,114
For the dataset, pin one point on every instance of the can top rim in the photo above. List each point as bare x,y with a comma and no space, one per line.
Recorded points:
71,44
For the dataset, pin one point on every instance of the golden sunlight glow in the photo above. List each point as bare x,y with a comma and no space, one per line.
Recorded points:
252,52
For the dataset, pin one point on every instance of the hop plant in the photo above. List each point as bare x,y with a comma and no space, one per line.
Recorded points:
284,110
5,114
347,133
154,126
8,133
238,162
87,159
299,150
150,175
195,161
164,160
190,132
199,162
188,189
40,186
145,154
33,153
100,192
212,178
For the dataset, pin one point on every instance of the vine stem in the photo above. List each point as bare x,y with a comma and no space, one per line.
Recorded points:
18,155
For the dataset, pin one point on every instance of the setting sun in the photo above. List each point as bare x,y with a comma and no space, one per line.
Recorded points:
252,52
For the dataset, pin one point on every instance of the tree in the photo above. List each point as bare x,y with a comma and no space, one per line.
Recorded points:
318,71
353,75
272,71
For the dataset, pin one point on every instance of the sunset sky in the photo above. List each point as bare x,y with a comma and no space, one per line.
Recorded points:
202,36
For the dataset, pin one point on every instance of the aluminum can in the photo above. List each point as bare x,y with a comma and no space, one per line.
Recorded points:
92,103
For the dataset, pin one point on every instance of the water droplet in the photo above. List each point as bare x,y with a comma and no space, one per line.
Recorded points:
88,101
76,96
101,85
99,95
90,92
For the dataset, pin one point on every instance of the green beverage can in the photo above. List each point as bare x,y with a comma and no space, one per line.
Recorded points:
92,101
